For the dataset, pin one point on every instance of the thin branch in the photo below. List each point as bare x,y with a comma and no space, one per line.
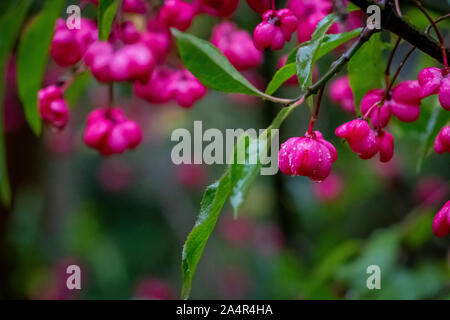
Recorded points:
392,22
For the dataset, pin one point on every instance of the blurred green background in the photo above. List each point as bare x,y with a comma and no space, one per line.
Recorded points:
124,219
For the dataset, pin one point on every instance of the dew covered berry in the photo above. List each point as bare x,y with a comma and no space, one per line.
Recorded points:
310,156
441,222
436,81
237,45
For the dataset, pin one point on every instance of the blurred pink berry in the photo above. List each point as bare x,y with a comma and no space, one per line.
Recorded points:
110,132
430,191
114,175
237,45
329,189
220,8
177,14
129,6
69,45
442,141
191,176
341,93
135,6
379,115
276,28
234,283
185,88
154,289
360,137
441,223
236,231
435,81
156,89
157,38
132,62
52,107
310,156
259,5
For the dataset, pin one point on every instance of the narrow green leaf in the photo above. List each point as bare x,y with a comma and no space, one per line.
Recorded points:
32,58
306,55
10,25
105,16
280,77
244,173
439,117
366,68
213,200
210,66
76,88
352,7
329,43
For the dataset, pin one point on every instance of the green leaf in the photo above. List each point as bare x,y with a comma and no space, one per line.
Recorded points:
329,43
10,24
213,200
105,15
280,77
307,55
76,88
439,117
366,68
32,58
243,173
210,66
352,7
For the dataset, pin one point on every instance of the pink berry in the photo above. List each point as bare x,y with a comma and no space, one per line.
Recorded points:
177,14
341,93
237,45
52,107
309,156
155,90
430,81
444,93
220,8
157,38
360,137
442,141
109,131
185,88
441,222
134,6
276,28
379,115
430,191
329,189
69,45
259,5
386,145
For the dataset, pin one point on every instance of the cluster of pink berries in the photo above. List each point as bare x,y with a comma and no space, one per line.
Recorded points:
110,132
52,107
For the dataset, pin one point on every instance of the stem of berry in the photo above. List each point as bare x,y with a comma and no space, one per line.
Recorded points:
65,83
316,111
438,34
391,57
400,67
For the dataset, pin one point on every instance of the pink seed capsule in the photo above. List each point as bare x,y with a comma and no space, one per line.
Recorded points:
441,222
341,93
237,45
177,14
276,28
309,156
220,8
442,141
52,107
